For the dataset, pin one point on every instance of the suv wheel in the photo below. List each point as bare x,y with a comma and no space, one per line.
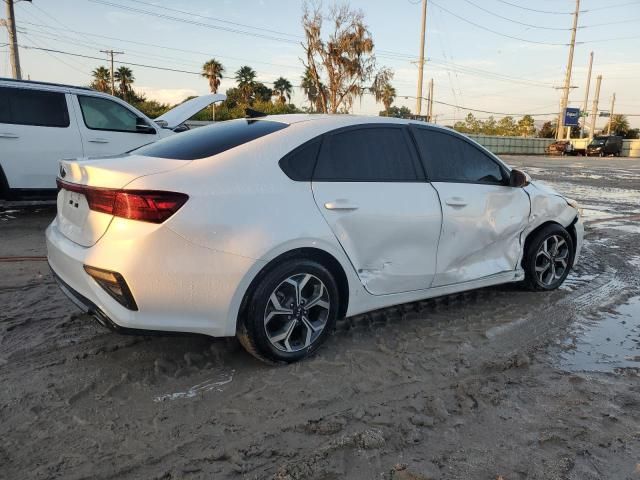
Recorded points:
548,258
290,313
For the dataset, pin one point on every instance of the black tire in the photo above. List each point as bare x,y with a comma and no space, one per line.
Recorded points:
252,331
5,192
534,259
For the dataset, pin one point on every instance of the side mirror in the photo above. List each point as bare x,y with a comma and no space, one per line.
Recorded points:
519,179
143,127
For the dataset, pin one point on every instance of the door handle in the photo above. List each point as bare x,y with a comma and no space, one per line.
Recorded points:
340,204
8,135
456,202
98,140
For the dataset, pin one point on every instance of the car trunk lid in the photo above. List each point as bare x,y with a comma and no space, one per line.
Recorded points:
96,178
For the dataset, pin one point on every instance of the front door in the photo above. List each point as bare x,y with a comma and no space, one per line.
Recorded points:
110,128
371,190
483,217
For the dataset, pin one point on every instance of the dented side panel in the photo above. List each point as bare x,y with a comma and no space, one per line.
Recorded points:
481,230
388,230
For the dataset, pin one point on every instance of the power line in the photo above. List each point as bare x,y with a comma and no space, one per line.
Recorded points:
553,12
482,27
512,20
194,22
219,19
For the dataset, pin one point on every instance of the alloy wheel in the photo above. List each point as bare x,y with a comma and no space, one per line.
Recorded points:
552,260
297,312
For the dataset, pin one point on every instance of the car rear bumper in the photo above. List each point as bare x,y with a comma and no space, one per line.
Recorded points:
178,286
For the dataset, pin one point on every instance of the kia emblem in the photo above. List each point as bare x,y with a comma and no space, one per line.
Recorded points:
63,172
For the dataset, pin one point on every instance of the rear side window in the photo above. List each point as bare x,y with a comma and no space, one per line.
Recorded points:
366,155
21,106
452,159
299,164
207,141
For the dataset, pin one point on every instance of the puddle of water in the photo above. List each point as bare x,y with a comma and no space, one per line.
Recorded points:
608,345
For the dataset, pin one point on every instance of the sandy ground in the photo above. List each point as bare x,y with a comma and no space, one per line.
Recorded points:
495,383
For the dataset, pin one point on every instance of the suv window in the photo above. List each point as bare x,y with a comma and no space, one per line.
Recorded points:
207,141
450,158
22,106
104,114
368,154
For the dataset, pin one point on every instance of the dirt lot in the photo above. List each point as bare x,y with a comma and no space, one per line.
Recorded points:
496,383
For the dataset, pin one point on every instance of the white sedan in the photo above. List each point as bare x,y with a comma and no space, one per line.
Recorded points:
273,228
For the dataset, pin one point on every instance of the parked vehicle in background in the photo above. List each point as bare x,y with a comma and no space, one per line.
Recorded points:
561,147
271,229
42,123
605,145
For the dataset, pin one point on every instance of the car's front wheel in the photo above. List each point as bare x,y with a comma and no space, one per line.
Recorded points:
548,258
290,313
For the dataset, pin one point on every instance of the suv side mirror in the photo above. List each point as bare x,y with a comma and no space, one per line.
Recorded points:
143,127
519,179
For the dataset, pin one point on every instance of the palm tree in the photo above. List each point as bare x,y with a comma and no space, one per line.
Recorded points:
124,76
388,95
281,89
212,71
245,77
618,125
309,88
101,79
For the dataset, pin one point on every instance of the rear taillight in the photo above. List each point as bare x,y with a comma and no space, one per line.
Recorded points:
144,205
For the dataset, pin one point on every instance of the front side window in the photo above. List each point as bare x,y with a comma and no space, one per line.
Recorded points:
22,106
104,114
367,155
453,159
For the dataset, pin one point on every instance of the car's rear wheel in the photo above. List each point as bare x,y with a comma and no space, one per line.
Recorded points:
290,313
548,258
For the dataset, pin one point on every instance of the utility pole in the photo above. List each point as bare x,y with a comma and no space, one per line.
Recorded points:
594,109
613,102
111,53
567,77
421,61
10,23
430,104
585,104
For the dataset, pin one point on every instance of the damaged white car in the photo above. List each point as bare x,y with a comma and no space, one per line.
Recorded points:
41,123
273,228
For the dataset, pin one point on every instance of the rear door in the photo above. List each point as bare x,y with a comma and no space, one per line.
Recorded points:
371,190
36,131
483,217
110,128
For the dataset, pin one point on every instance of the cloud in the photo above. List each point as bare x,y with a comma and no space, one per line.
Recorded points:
166,95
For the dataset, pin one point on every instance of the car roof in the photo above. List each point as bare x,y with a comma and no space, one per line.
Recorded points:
48,86
332,121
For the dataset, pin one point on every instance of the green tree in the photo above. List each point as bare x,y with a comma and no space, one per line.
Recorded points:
619,125
526,126
282,89
101,79
311,91
398,112
124,77
246,76
507,127
212,71
341,65
548,130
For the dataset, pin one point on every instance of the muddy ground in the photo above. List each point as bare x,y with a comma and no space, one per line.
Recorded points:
495,383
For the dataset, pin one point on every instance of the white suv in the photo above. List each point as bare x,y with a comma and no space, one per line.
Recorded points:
42,123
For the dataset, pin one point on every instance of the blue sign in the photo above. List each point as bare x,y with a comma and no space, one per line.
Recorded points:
571,116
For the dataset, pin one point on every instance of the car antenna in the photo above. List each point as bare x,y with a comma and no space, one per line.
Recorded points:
251,113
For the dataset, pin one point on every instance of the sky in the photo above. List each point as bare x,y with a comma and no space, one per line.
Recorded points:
502,56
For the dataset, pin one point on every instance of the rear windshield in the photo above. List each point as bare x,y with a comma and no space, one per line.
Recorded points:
207,141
